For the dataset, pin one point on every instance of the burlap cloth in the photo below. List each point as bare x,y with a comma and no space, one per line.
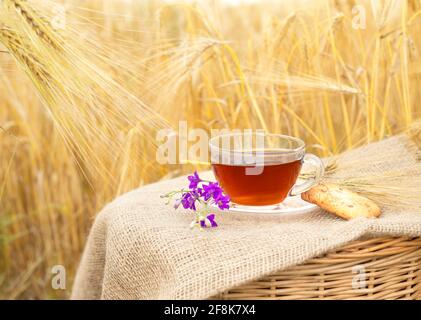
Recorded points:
139,248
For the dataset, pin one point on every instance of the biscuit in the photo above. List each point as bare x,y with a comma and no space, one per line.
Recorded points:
341,202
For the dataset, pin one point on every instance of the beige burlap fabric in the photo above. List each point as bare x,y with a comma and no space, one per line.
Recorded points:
139,248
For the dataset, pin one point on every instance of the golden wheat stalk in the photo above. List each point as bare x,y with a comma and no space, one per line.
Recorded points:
12,42
77,90
35,22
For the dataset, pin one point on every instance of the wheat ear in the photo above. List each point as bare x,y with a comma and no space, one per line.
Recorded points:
11,41
36,22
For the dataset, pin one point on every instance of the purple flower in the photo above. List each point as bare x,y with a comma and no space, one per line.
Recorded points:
194,180
188,201
223,202
209,193
212,190
209,222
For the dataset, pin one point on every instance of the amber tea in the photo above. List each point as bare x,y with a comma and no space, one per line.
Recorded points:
271,186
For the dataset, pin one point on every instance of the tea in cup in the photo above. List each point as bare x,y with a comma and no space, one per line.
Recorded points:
261,169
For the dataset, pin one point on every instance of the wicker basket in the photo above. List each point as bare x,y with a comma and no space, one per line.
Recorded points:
379,268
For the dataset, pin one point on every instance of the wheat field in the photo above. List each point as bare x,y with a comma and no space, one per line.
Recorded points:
82,99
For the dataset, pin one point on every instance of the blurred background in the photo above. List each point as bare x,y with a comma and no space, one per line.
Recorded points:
86,85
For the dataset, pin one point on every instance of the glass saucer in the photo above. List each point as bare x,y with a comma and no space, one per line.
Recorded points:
290,206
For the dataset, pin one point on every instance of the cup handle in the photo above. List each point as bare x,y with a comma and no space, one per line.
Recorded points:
315,162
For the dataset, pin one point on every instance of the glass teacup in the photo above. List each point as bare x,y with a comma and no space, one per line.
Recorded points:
260,169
